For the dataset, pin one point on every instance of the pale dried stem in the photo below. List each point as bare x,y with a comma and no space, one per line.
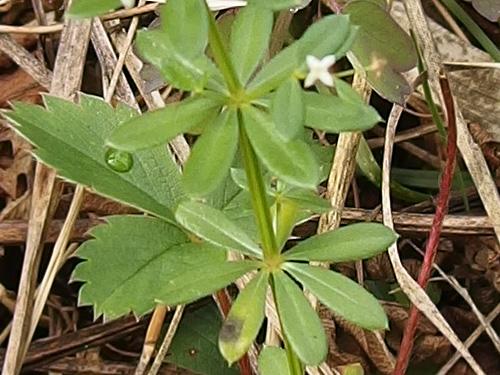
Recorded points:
410,287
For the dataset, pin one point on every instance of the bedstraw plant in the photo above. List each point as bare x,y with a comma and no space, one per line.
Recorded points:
253,119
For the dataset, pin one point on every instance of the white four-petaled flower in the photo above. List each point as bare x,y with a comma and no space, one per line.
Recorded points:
318,70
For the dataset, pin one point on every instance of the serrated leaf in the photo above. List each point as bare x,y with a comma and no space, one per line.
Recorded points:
212,155
288,109
201,281
194,346
349,243
249,39
213,226
71,138
127,260
273,361
160,126
244,319
340,294
335,114
291,161
91,8
299,321
185,25
382,48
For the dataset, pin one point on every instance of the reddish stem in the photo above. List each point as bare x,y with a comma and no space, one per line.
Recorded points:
224,305
435,232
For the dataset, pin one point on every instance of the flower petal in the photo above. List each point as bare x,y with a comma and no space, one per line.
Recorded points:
326,78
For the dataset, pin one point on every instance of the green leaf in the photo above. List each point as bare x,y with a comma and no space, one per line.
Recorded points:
188,73
383,49
372,171
71,138
299,321
159,127
194,346
280,68
291,161
249,39
325,37
91,8
340,294
273,361
428,179
277,4
352,242
213,226
335,114
308,200
202,280
212,155
244,319
129,258
185,25
288,110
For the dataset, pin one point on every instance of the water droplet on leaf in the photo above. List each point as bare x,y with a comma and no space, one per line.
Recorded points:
119,161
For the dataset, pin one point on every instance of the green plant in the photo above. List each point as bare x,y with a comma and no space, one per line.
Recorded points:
251,114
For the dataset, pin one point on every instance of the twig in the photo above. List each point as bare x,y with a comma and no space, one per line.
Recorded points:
435,233
165,345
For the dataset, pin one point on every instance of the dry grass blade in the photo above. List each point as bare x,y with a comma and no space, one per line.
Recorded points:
411,288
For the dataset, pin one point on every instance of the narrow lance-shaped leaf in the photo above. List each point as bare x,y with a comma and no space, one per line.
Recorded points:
129,257
342,295
299,321
352,242
71,138
277,4
288,110
249,39
91,8
185,25
273,361
244,319
213,226
212,155
202,280
159,127
292,161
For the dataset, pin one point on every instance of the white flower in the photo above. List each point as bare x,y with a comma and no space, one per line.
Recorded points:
318,70
215,4
128,3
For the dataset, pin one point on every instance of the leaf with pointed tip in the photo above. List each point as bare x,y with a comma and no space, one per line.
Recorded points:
212,155
129,257
202,280
273,361
71,138
288,110
349,243
213,226
249,39
244,319
308,200
340,294
159,127
299,321
292,161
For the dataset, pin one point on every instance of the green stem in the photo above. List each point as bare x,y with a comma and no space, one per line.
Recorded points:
258,194
473,28
221,56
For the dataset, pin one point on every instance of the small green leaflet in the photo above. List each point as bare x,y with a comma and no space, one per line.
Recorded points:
299,321
349,243
342,295
244,319
129,257
288,109
213,226
90,8
273,361
71,138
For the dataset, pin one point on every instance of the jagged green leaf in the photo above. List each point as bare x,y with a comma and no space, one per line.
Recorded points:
129,261
71,138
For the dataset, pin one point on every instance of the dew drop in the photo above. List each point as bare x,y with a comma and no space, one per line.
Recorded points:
119,161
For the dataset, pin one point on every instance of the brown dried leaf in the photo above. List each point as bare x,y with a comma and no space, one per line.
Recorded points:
398,317
434,348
